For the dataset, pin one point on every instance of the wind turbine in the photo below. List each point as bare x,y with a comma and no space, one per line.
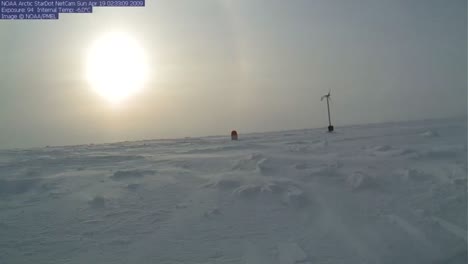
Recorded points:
327,96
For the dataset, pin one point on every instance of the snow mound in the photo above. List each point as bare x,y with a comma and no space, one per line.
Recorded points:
415,175
299,148
212,212
98,202
129,174
202,149
383,148
329,169
305,147
253,189
253,254
252,162
181,206
360,181
291,253
14,187
430,133
443,153
119,242
460,181
302,166
294,196
250,185
132,186
244,183
406,152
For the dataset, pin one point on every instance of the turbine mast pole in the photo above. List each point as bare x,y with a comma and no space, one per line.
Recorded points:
328,106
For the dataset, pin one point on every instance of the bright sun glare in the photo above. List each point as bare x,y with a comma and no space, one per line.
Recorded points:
116,67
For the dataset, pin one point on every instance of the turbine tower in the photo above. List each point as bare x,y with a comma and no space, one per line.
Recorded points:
327,96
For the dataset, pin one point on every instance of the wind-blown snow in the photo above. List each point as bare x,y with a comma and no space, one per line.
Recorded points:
389,193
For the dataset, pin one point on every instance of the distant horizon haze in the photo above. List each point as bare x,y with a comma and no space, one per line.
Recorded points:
227,134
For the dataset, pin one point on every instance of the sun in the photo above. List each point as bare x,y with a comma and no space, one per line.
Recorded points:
116,67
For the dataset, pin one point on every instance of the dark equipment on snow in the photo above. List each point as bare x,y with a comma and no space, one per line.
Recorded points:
327,96
234,135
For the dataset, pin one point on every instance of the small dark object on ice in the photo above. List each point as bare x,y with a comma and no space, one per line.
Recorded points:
234,135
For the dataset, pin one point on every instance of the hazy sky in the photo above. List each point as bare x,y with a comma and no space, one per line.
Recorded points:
252,65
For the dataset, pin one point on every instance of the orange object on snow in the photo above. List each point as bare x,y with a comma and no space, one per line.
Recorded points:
234,135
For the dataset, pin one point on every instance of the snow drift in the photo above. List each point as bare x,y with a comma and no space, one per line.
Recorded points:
389,193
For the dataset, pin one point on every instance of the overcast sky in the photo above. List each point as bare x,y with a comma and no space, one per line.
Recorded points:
250,65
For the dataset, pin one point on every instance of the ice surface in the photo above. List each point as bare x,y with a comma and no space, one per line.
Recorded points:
384,193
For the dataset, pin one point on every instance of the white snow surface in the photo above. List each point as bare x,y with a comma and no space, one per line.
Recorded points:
383,193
